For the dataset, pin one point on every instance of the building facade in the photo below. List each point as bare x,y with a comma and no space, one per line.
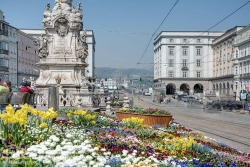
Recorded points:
110,84
183,61
27,57
90,40
223,64
241,61
8,52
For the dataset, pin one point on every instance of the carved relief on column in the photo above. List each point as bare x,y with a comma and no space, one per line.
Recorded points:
42,43
82,47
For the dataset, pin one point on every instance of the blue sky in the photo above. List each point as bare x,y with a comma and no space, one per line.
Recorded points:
123,28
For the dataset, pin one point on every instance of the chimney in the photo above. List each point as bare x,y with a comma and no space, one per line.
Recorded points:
1,15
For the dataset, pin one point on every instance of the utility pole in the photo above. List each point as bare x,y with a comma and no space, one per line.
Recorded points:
132,86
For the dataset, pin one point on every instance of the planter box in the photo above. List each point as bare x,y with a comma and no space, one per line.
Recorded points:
148,119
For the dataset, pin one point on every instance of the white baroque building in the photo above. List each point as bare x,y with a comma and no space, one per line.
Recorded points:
223,80
90,40
8,52
183,61
27,57
110,83
241,61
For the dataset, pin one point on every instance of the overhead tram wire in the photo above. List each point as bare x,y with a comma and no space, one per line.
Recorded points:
212,27
154,34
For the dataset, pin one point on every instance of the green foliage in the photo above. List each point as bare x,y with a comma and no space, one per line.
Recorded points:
145,132
64,110
150,111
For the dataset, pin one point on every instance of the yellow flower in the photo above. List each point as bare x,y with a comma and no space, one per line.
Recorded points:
9,136
43,125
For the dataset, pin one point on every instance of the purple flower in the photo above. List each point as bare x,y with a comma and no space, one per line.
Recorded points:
7,142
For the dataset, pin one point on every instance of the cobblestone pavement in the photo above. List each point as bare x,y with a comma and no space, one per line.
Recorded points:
227,127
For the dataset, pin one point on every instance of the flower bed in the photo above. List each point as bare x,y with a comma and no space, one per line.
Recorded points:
88,139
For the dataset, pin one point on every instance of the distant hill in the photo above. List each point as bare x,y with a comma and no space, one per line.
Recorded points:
107,72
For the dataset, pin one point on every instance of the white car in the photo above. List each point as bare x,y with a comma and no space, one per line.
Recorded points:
147,94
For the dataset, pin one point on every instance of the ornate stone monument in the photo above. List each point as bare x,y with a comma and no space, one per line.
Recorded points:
62,51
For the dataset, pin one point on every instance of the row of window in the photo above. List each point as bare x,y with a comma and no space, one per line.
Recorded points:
4,45
184,62
219,60
4,62
228,44
184,74
223,72
3,27
172,40
171,51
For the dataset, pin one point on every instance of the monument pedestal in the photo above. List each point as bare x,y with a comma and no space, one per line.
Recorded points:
62,51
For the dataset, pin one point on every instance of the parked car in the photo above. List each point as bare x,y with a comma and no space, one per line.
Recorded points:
233,105
181,96
188,98
174,95
147,94
184,98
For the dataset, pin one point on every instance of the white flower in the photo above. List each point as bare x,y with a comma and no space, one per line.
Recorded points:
40,158
87,141
76,141
82,163
15,155
88,157
41,151
91,162
47,143
69,135
32,155
52,144
47,161
65,153
56,139
20,152
93,154
124,152
70,162
103,149
61,158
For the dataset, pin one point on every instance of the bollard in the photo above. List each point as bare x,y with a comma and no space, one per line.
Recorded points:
53,100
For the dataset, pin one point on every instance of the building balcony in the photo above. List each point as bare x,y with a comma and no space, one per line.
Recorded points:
184,68
2,51
2,32
245,76
235,61
4,68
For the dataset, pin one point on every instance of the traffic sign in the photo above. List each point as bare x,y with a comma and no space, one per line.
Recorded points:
243,96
